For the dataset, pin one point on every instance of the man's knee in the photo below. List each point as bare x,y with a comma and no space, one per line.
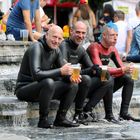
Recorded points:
73,87
128,80
86,80
109,83
48,82
96,82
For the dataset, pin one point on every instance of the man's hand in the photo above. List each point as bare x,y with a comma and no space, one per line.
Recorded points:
96,70
77,81
66,69
128,69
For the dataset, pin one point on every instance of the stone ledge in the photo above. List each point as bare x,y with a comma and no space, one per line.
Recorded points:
12,51
14,43
10,106
11,110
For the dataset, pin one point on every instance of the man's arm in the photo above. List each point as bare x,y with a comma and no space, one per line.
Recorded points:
28,24
38,21
94,24
94,52
137,37
128,41
76,16
35,61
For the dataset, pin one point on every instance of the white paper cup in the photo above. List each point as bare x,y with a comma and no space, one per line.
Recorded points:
24,35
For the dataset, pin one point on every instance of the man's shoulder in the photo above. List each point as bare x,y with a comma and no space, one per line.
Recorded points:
36,45
94,44
65,43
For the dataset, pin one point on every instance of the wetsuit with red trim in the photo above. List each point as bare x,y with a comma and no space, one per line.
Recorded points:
102,56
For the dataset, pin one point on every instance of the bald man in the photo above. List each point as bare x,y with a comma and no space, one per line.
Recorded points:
44,76
91,85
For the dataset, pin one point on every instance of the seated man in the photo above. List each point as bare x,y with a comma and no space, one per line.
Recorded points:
21,17
101,53
42,78
91,83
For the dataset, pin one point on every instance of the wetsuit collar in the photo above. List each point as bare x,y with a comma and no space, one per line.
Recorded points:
103,46
44,43
73,44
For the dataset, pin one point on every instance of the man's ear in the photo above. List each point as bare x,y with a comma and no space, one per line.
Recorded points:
103,35
71,30
46,34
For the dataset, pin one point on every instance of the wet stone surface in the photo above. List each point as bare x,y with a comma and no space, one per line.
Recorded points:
97,130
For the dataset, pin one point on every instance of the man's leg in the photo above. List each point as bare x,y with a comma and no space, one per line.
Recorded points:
127,83
105,92
108,101
42,91
66,93
80,98
94,94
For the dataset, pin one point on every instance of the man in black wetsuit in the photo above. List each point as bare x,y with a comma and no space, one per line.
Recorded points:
42,78
91,84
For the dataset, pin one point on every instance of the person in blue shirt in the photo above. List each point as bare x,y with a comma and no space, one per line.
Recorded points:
21,17
134,53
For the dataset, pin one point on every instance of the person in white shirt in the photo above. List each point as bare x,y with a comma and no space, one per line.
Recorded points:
44,20
119,19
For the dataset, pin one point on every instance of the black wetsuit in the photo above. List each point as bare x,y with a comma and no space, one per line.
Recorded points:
39,78
91,84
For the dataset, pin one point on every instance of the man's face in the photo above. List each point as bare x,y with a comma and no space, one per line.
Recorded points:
110,37
54,38
78,33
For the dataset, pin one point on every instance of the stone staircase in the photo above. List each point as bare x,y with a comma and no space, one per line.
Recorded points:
17,113
12,111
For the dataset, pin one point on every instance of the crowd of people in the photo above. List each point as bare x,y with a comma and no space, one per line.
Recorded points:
46,68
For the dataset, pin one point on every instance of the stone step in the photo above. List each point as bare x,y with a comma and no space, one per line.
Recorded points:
20,113
12,51
8,76
12,111
17,113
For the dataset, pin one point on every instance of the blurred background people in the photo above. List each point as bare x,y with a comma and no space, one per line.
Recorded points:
6,15
44,21
134,53
107,16
132,24
119,19
21,17
44,18
86,15
1,14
